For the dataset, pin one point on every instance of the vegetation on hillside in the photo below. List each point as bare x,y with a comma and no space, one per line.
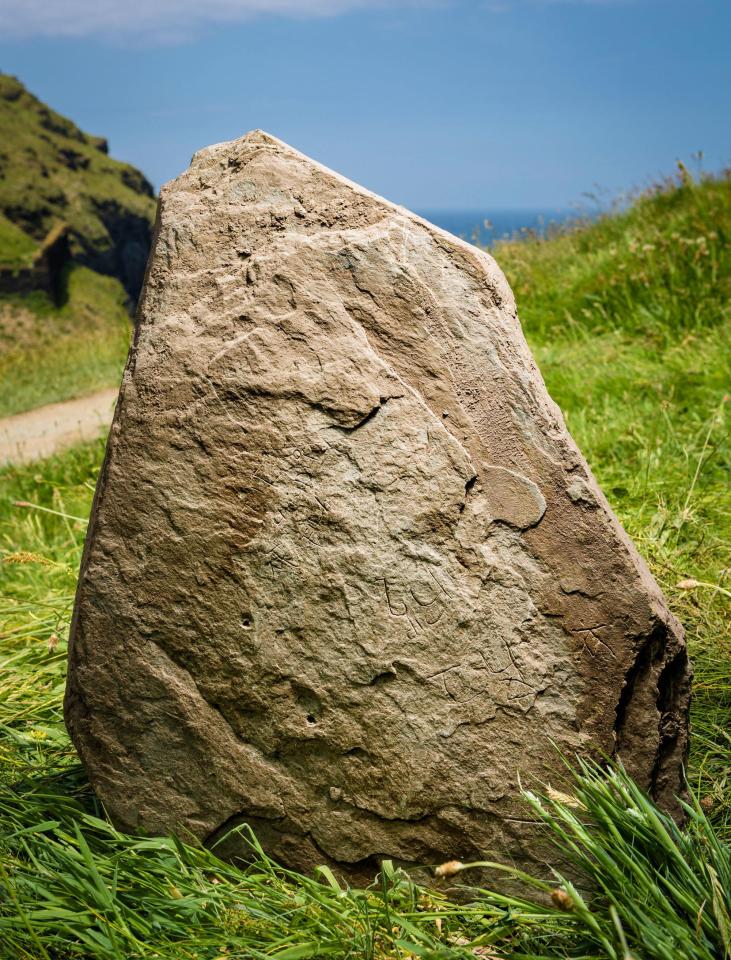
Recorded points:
629,322
50,353
51,172
629,319
16,247
660,271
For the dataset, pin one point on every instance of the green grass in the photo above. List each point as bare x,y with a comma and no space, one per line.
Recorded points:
630,322
51,172
659,271
49,354
642,376
16,247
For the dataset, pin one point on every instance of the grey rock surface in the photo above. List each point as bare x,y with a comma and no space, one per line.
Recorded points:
347,575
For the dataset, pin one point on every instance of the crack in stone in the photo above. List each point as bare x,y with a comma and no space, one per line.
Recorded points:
373,412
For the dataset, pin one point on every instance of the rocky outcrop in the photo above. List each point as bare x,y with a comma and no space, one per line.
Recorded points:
347,576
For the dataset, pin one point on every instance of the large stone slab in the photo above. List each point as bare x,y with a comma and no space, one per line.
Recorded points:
347,575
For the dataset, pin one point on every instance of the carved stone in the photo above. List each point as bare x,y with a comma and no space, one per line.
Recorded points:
347,576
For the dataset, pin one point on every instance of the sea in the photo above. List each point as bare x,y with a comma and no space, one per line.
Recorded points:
484,227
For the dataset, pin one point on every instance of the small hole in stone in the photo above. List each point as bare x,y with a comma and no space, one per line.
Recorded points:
246,621
310,718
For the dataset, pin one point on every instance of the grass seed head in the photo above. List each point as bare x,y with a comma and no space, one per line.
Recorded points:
562,900
448,869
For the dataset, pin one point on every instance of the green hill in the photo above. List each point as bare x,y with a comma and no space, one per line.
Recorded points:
51,171
16,247
51,353
629,319
69,336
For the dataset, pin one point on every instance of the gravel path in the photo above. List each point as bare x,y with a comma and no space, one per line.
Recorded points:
47,430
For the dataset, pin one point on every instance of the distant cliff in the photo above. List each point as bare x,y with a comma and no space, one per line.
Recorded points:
53,173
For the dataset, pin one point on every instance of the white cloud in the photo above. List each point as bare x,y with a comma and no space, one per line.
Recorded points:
161,19
503,6
590,3
172,20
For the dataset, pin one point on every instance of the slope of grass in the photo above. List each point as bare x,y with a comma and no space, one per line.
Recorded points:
630,323
51,172
660,270
643,384
16,247
50,353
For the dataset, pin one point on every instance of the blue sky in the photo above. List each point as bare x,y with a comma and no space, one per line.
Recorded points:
434,103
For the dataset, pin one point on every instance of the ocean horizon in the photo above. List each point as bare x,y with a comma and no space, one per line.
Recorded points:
485,227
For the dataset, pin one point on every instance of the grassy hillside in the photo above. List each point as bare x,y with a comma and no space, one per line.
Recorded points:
629,321
51,171
50,353
16,247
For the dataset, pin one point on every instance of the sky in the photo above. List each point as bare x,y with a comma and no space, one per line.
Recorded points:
436,104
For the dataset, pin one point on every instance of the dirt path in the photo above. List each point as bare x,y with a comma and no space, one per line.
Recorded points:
46,430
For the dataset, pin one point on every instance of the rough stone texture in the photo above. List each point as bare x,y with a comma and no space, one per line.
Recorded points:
347,575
